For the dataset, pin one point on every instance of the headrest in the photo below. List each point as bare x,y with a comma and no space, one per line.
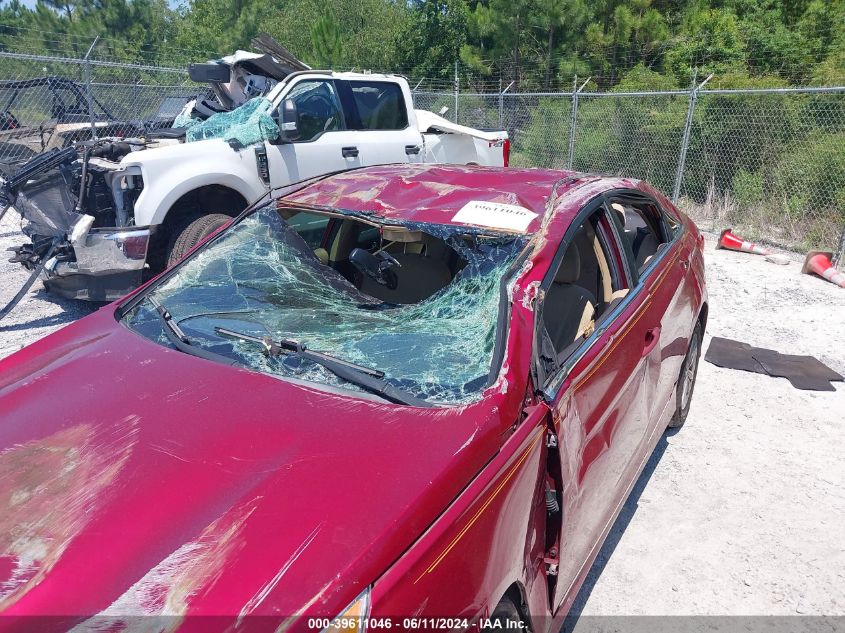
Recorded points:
570,266
620,211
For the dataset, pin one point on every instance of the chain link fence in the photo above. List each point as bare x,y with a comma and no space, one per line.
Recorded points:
768,162
52,102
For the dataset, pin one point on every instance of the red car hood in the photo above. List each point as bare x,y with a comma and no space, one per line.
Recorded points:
139,480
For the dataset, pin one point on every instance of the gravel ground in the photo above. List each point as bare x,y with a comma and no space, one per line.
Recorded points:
742,512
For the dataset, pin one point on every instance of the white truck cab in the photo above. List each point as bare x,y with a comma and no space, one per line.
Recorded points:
173,193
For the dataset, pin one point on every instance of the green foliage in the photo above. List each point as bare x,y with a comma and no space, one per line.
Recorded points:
713,44
434,36
538,44
747,187
545,140
325,38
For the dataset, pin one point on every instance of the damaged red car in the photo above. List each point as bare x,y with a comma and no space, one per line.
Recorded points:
401,397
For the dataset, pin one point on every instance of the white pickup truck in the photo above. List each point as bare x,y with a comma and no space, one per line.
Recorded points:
173,193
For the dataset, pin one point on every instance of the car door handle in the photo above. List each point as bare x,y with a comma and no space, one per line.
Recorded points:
412,149
684,263
349,152
651,338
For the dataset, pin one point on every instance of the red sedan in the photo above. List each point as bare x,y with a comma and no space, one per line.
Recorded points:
403,397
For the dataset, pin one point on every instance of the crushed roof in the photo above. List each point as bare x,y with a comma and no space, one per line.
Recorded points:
435,193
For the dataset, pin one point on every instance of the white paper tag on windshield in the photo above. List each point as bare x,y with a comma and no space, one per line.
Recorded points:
495,215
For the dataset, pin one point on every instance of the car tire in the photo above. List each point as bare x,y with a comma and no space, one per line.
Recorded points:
506,617
190,232
686,380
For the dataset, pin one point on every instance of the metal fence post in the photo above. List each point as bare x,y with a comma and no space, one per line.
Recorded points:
457,90
136,94
682,156
502,104
839,256
574,118
89,96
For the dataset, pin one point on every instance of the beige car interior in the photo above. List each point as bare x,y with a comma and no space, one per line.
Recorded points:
581,291
426,263
639,234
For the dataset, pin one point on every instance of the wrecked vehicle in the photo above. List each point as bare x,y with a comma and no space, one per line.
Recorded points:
493,354
151,206
70,119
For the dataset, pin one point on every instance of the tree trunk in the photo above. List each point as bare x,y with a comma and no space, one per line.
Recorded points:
549,61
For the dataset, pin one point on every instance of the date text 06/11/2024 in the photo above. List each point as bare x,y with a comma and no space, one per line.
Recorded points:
412,623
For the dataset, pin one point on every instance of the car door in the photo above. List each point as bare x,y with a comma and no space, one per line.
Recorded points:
658,251
325,144
379,111
597,389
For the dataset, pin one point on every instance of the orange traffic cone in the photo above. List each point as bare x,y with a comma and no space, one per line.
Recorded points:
818,262
735,243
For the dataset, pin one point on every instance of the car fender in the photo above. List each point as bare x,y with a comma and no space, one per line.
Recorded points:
502,505
172,171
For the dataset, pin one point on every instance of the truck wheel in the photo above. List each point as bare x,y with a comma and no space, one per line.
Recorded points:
190,232
686,381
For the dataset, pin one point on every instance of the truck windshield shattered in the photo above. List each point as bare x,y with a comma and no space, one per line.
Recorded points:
342,299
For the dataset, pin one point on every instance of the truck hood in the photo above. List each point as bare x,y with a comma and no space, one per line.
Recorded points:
136,480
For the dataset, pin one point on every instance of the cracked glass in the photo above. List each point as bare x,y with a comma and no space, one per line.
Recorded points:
261,278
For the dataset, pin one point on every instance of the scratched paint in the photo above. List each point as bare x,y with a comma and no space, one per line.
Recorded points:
164,594
50,489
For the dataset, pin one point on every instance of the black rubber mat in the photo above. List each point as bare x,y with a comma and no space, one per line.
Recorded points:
732,355
804,372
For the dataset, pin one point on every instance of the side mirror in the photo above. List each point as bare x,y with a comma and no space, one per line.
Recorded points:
287,119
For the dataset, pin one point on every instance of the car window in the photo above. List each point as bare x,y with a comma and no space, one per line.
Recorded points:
380,105
640,224
582,287
310,227
318,108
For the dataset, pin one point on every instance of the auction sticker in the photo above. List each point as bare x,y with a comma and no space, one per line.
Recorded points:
496,215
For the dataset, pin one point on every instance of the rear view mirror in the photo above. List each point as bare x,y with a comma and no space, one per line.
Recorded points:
209,73
288,121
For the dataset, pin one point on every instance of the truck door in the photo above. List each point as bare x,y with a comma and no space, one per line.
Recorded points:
324,144
379,111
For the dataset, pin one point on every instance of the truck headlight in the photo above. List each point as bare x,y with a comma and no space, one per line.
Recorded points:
353,619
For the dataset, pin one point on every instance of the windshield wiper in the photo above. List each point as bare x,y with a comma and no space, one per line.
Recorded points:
371,380
168,321
178,338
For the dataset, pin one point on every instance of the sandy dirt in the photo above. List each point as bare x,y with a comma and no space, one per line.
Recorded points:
742,512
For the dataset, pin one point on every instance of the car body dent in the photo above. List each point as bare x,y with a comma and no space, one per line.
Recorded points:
451,497
242,452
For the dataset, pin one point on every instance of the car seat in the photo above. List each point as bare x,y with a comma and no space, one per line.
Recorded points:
568,309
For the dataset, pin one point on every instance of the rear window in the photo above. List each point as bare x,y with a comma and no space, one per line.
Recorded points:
380,104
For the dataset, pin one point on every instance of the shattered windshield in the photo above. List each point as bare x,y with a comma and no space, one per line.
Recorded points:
430,328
